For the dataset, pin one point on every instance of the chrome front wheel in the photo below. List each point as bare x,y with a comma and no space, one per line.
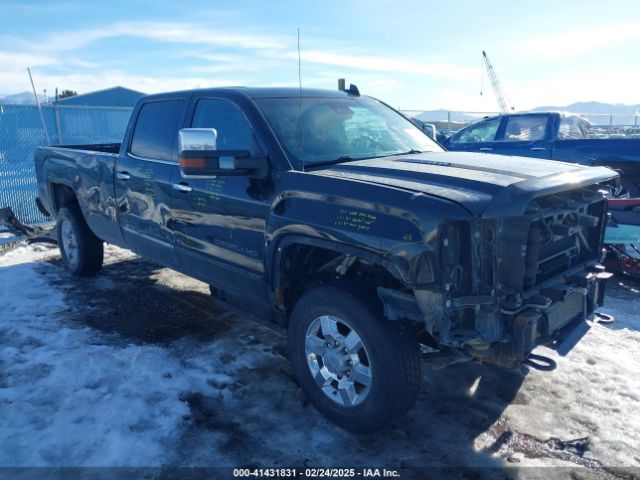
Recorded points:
357,368
338,360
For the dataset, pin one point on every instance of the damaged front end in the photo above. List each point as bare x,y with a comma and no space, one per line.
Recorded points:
510,283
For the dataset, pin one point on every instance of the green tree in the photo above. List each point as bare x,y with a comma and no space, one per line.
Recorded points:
67,93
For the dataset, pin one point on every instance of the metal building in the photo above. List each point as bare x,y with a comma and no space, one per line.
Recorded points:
110,97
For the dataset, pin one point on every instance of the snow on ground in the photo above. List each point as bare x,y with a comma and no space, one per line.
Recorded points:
138,368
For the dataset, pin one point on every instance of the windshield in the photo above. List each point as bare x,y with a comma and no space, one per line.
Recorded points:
333,129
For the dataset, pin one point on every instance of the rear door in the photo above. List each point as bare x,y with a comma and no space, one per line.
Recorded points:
524,135
219,223
143,179
476,138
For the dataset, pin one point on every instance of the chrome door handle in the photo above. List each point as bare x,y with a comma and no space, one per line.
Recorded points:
182,187
486,149
538,149
123,176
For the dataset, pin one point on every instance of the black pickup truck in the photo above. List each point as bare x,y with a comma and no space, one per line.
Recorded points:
336,217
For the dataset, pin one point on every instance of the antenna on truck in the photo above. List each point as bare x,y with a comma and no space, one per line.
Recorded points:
299,68
300,102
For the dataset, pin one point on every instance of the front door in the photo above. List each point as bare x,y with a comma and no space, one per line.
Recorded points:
219,223
143,180
476,138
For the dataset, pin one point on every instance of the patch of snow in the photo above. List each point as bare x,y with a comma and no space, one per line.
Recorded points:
28,253
213,387
594,392
68,397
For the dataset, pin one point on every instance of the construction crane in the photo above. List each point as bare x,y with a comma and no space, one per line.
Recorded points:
495,83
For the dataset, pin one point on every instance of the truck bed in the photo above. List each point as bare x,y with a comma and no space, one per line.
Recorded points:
94,147
86,170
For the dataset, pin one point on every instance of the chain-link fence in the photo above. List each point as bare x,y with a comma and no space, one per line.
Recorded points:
22,129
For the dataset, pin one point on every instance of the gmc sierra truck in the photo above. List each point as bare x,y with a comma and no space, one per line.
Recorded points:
336,217
552,136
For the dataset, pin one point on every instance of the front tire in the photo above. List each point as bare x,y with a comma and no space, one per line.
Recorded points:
81,250
630,186
358,369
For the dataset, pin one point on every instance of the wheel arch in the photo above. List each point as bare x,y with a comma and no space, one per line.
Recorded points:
61,194
300,260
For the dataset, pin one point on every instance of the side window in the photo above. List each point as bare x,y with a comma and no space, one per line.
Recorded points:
483,132
525,129
156,129
234,132
571,128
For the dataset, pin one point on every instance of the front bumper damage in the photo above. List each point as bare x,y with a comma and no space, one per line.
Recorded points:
533,279
493,330
509,284
551,316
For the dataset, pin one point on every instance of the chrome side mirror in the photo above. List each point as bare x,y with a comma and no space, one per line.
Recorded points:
200,157
198,139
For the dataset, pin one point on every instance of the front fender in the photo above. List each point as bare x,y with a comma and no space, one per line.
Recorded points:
413,264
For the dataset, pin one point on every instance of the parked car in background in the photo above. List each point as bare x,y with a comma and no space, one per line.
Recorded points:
428,128
551,135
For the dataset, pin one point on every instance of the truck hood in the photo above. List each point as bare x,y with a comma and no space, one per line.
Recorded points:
484,184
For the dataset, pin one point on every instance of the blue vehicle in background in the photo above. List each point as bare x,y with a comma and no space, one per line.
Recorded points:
554,136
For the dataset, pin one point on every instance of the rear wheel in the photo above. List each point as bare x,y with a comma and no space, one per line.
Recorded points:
359,369
81,250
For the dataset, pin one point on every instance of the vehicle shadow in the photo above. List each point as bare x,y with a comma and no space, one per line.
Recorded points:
457,405
622,300
450,427
127,299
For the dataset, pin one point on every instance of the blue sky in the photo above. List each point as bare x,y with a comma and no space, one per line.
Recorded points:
414,54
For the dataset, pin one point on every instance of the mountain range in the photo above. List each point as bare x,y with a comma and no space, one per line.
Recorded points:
596,112
24,98
595,108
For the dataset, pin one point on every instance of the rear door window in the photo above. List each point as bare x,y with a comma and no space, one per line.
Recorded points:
156,129
525,129
573,128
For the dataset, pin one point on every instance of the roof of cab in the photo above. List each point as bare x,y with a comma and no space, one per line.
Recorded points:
271,92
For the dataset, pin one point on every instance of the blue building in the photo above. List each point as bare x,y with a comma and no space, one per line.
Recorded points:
110,97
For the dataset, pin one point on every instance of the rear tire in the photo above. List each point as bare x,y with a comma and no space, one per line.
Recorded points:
82,251
358,369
